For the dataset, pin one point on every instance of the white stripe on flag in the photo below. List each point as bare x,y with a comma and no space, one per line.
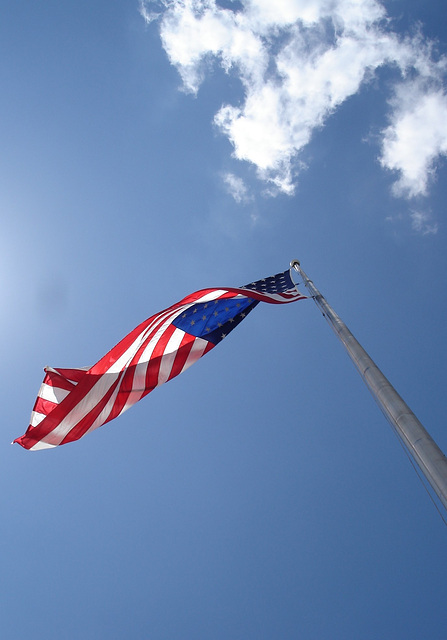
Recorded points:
169,354
88,402
36,418
196,352
105,412
54,394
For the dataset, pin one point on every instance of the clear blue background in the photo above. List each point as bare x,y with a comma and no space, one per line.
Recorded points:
261,495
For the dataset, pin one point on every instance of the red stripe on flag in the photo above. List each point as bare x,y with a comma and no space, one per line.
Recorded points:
125,389
127,382
182,355
56,380
34,435
117,351
73,375
153,367
44,406
84,425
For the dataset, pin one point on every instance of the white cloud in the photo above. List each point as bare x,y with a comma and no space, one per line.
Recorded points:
422,223
298,60
236,188
416,137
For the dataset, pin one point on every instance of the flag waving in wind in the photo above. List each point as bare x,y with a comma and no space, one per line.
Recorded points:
73,402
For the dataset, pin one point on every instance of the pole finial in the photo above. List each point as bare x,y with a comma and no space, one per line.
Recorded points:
294,264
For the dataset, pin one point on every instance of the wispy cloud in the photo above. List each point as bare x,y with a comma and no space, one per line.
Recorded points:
236,188
298,60
422,223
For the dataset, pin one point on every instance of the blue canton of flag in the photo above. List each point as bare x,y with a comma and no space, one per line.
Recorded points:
274,284
213,321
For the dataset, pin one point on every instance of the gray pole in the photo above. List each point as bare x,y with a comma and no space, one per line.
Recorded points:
416,439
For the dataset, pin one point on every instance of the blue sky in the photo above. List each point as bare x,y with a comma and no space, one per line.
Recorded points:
149,150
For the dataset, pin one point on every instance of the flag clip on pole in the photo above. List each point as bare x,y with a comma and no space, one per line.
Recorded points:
411,432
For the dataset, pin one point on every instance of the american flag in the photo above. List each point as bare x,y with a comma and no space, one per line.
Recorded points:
73,402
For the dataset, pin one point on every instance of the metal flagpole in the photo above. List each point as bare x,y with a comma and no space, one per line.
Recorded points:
416,439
